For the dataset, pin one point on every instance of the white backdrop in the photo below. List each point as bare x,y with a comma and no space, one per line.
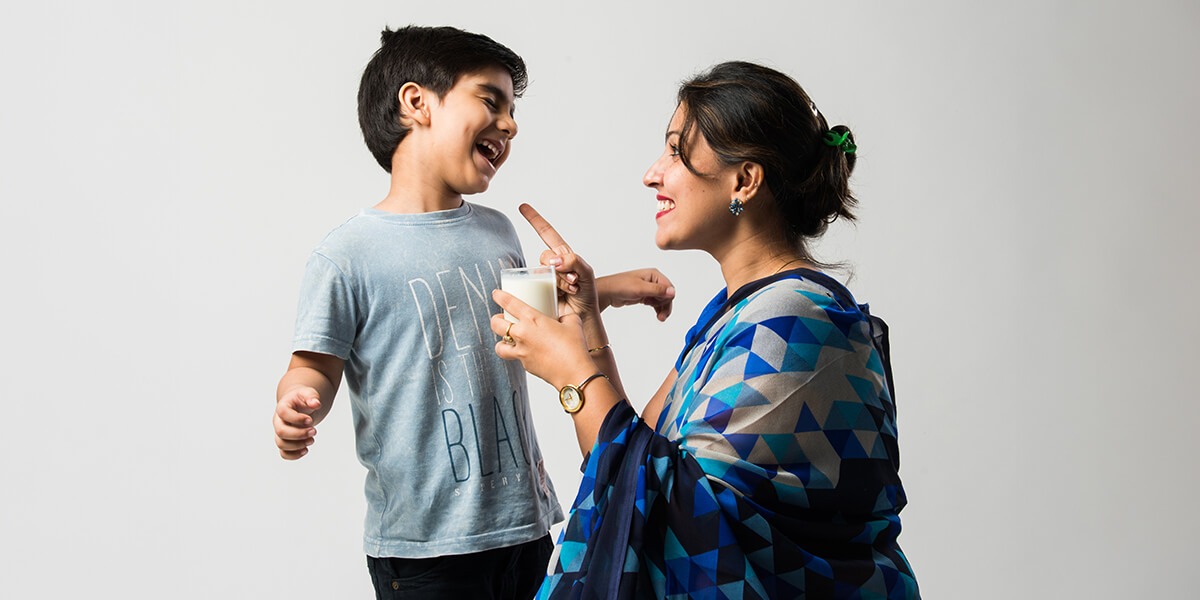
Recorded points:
1029,186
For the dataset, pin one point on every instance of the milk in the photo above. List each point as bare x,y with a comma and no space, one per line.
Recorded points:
535,286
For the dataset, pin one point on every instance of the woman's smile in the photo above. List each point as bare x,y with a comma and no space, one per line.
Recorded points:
665,205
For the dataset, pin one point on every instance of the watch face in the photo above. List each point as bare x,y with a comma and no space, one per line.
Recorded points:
571,399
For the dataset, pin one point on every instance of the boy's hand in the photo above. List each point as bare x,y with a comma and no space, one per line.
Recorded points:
640,286
294,431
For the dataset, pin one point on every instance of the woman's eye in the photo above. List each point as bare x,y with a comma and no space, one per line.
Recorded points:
674,149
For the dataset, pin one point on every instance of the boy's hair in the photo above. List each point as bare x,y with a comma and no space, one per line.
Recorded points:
432,57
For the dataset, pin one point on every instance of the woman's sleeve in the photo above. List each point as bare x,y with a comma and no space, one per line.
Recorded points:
647,523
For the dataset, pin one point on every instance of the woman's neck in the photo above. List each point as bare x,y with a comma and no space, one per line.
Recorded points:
755,257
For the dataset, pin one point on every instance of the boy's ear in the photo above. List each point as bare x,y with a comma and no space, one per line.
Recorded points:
414,103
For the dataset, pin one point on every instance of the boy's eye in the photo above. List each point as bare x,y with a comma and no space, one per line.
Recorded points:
491,103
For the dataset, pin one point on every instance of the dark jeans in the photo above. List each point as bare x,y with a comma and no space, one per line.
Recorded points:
508,573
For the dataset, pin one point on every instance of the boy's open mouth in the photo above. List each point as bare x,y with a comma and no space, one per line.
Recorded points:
490,150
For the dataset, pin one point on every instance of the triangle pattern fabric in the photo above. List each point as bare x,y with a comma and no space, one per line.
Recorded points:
779,416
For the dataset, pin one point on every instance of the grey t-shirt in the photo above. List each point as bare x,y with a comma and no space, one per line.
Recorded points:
441,423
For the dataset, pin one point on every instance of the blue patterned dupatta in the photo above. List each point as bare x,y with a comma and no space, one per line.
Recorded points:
773,470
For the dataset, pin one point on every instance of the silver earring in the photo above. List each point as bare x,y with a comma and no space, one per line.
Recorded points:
736,207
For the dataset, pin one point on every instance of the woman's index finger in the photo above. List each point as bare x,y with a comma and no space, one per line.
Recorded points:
549,235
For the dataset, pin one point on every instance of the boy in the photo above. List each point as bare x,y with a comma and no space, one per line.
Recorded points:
398,297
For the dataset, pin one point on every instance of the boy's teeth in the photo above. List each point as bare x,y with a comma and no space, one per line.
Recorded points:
488,150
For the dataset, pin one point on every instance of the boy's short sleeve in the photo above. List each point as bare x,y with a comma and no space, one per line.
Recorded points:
326,319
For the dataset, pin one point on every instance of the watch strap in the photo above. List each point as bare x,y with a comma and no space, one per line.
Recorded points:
589,380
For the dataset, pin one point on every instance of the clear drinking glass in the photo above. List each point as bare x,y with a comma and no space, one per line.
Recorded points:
536,286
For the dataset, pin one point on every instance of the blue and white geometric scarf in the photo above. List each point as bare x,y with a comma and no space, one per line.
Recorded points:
773,469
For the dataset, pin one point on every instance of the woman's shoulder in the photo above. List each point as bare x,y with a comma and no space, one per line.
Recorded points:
797,295
805,310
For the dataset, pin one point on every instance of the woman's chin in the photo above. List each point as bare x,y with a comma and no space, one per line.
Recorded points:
666,241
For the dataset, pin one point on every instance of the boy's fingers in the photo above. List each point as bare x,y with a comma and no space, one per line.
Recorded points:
293,454
295,412
288,415
293,445
288,431
307,401
544,230
296,407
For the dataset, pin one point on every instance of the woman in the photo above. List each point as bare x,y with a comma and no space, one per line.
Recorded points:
766,465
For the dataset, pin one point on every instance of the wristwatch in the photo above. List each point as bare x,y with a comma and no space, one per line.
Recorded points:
571,396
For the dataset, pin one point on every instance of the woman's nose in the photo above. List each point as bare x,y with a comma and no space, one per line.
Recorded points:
653,176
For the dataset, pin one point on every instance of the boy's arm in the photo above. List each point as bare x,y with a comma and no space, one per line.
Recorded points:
303,398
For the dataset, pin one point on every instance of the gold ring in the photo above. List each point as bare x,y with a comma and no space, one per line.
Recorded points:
508,339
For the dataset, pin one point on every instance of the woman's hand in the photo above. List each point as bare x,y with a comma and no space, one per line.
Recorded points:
576,279
587,296
553,350
640,286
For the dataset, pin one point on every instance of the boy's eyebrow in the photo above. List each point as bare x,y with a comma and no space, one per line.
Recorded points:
491,89
499,93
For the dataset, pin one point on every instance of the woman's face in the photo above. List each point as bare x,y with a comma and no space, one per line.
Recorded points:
693,210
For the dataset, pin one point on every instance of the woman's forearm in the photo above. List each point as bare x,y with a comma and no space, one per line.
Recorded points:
601,352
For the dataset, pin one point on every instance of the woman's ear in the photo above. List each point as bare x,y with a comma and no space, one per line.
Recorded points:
749,180
414,104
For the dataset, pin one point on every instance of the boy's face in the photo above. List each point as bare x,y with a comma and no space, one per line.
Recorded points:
471,128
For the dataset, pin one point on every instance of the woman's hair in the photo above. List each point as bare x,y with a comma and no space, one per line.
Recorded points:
748,112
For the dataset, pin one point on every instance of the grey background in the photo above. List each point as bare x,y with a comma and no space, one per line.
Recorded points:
1028,179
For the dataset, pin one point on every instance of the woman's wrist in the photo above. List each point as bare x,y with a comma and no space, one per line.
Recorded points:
580,369
602,299
594,332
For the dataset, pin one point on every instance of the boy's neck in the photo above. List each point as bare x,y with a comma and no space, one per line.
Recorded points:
414,197
413,189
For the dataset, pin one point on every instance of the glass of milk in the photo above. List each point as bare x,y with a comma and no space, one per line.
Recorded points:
536,286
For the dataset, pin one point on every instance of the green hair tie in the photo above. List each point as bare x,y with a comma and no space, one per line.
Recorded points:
840,141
